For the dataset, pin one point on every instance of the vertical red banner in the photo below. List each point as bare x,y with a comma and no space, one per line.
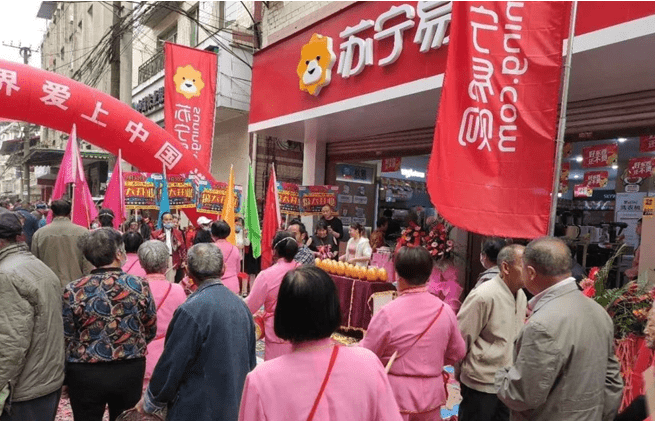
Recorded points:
190,99
492,163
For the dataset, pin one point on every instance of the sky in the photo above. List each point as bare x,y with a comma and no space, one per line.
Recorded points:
19,24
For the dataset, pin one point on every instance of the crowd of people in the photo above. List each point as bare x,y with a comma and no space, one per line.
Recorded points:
153,320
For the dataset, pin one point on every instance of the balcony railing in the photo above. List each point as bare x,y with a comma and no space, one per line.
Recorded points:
151,67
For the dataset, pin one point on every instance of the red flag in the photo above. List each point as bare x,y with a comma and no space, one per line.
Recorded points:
272,220
71,171
190,99
114,196
492,163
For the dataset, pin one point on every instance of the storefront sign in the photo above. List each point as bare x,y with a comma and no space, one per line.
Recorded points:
390,165
582,191
212,195
314,198
640,167
359,174
190,99
140,192
647,143
600,155
150,102
491,167
596,179
289,200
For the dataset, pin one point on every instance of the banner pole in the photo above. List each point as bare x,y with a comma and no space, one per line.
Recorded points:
559,144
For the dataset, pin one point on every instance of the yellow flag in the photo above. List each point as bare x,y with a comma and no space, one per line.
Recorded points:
228,207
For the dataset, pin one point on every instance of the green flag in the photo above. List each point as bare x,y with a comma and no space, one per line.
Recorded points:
252,218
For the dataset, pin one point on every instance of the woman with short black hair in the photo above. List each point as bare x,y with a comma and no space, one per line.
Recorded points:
265,291
306,384
109,318
106,218
132,241
231,255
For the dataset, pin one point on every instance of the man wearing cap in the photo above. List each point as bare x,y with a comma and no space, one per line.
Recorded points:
43,211
56,245
31,330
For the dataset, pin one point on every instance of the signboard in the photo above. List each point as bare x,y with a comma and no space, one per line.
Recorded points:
647,143
140,192
390,165
628,210
640,167
181,193
289,201
649,207
211,196
313,198
596,179
600,155
582,191
351,173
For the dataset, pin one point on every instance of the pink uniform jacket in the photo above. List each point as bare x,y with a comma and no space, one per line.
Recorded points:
171,300
232,260
416,375
286,388
264,292
133,266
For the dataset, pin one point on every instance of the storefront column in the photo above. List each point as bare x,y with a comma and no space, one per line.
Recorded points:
647,249
313,172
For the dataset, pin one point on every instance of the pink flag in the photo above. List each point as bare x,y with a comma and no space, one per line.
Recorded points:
71,171
114,199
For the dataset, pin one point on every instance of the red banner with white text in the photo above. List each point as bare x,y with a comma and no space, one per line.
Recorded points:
492,162
190,99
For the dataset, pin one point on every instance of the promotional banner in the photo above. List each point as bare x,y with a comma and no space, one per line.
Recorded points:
190,99
314,198
181,194
140,193
289,201
640,167
114,195
212,195
564,177
647,143
600,155
390,165
492,162
596,179
582,191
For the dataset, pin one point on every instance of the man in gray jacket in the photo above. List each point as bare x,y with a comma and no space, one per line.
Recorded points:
31,330
564,363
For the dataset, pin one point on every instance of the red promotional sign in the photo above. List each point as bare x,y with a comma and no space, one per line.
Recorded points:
190,99
492,163
640,167
582,191
289,199
600,155
390,165
596,179
647,143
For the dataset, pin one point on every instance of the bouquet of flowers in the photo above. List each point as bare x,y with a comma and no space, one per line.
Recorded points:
436,239
628,306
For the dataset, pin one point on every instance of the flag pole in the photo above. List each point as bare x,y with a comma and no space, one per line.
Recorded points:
559,144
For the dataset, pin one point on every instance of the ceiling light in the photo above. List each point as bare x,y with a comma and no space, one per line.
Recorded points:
578,158
559,194
614,166
622,140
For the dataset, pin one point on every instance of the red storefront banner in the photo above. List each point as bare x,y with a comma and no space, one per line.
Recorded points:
600,155
640,167
596,179
190,99
564,178
492,163
647,143
390,165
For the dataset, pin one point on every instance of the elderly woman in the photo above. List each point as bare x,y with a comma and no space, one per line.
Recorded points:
319,380
109,318
358,250
323,244
265,289
231,255
132,241
153,256
106,218
423,331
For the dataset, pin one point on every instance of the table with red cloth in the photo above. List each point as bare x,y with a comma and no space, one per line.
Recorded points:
354,296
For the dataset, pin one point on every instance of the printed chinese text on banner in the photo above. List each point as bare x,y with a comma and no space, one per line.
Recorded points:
289,201
600,155
181,194
190,99
647,143
313,198
492,162
596,179
212,195
640,167
390,165
140,193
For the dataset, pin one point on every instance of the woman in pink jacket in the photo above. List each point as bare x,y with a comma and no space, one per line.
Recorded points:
265,289
231,255
132,241
319,380
153,257
423,331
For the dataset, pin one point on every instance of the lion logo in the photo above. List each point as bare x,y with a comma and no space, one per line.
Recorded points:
188,81
316,61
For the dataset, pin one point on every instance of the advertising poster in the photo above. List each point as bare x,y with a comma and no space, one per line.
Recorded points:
647,143
212,195
314,198
596,179
140,192
181,193
628,210
600,155
564,177
289,201
640,167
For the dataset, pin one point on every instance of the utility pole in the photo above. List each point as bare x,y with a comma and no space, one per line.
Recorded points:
115,85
